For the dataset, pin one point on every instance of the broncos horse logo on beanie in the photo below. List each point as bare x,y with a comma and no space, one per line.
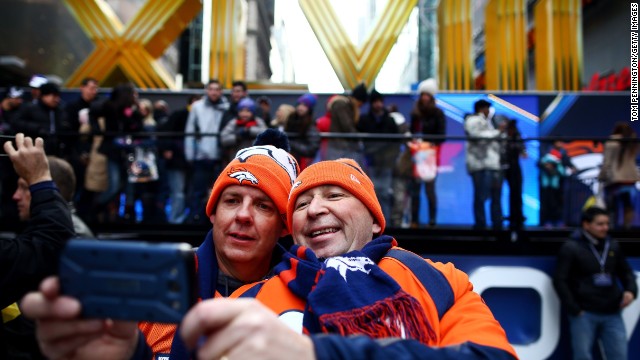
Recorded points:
242,174
279,157
266,167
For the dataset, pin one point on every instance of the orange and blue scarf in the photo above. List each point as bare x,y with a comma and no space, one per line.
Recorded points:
350,294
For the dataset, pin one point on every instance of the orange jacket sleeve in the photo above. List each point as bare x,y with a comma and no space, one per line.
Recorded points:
468,319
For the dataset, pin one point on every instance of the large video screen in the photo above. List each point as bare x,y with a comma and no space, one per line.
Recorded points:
454,186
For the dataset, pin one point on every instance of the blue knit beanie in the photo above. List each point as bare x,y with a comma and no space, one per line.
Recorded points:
247,103
308,99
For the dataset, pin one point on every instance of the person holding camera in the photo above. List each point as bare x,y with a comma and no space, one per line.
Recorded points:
247,208
308,310
32,255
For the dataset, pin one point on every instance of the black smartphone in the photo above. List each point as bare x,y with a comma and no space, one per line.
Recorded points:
129,280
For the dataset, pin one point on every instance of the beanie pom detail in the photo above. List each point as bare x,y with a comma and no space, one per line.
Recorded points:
273,137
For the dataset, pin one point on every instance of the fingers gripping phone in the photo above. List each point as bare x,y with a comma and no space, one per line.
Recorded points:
129,280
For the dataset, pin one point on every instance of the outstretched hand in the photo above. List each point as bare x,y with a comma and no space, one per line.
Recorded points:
63,334
29,159
242,329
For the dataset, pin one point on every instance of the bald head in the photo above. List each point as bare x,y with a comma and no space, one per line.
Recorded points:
62,174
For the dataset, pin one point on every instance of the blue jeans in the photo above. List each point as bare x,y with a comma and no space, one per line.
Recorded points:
115,182
619,196
487,184
608,328
176,179
205,173
432,200
381,178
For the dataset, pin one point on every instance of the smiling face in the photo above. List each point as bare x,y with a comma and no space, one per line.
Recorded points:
331,221
22,197
246,227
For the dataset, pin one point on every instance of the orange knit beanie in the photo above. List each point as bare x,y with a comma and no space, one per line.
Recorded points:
345,173
265,167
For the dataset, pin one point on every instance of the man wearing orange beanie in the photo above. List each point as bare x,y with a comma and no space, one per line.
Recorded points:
359,298
343,280
247,208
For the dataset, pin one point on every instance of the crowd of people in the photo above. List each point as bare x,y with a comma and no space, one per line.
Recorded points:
357,294
125,175
415,307
343,290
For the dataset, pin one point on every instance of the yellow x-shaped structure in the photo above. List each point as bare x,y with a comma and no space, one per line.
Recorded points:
352,65
134,48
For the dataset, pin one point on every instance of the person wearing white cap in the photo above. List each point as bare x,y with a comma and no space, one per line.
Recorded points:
9,109
426,119
9,106
47,119
35,82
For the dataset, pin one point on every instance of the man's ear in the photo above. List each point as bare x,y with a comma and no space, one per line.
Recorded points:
375,227
212,217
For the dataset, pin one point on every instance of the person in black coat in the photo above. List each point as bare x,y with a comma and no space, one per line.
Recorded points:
300,124
47,118
9,109
380,154
426,119
32,255
174,162
78,117
595,282
513,149
121,119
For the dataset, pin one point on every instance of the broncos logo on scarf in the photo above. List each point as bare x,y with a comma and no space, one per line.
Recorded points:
342,264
